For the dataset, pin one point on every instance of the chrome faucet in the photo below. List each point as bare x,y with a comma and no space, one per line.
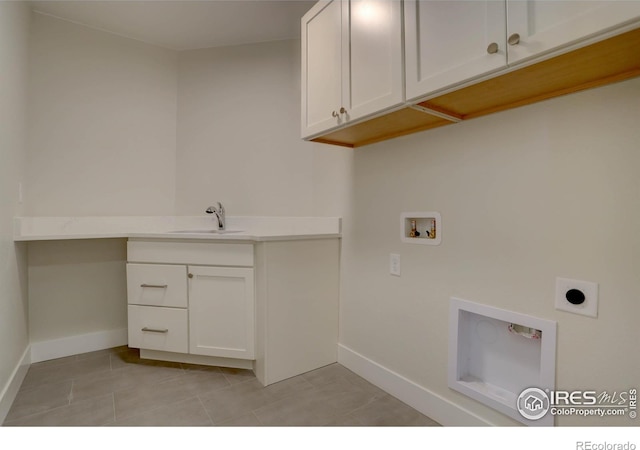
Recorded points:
219,212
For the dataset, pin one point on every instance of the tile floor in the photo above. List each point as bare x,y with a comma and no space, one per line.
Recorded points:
115,387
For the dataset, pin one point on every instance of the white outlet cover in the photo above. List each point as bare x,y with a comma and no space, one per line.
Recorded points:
590,290
394,264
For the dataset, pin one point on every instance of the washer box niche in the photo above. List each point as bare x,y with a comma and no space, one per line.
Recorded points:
421,228
495,354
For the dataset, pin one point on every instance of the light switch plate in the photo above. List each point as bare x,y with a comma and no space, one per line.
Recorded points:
394,264
585,291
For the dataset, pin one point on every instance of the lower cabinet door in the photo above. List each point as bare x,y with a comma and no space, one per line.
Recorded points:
221,312
158,328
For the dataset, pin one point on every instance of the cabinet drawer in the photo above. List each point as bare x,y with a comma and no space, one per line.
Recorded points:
157,285
155,328
190,252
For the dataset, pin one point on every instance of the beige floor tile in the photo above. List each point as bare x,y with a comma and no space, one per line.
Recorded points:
326,375
91,365
344,396
101,383
235,401
236,376
138,400
389,411
248,420
345,421
40,399
45,374
54,362
285,388
318,406
201,383
116,387
186,413
334,373
109,351
97,411
307,409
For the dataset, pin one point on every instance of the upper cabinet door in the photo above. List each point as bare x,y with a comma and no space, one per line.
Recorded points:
449,42
374,80
535,27
351,62
322,49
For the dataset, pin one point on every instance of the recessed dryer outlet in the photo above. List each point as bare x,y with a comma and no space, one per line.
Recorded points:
576,296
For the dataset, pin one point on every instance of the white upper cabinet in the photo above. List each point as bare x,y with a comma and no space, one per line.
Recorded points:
375,60
351,62
448,42
322,67
451,42
535,27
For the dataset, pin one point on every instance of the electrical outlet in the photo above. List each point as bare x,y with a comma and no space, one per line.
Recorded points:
394,264
578,297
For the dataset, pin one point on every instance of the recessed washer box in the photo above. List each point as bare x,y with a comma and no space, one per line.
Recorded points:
421,228
495,354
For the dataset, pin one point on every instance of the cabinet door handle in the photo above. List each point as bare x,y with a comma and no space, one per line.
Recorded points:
156,330
160,286
492,48
514,39
190,275
343,110
334,114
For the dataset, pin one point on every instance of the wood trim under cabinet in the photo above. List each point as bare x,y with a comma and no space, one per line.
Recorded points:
394,124
605,62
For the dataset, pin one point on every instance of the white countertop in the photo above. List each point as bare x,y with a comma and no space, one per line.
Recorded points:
164,227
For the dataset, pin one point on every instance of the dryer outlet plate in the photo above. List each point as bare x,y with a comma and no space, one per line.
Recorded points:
576,296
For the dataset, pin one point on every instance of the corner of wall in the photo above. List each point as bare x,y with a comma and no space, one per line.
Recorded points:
10,390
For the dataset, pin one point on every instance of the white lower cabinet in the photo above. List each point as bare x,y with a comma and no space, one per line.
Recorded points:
221,312
192,309
271,307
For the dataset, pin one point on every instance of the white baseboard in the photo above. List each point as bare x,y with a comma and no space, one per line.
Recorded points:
74,345
8,394
428,403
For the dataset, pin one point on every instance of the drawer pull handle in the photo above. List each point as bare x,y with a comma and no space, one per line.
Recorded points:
161,286
156,330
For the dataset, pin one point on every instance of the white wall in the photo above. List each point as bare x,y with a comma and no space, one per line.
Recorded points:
108,138
526,195
239,136
103,123
102,142
14,40
76,288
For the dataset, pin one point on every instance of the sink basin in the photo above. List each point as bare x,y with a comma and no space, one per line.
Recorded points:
210,231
